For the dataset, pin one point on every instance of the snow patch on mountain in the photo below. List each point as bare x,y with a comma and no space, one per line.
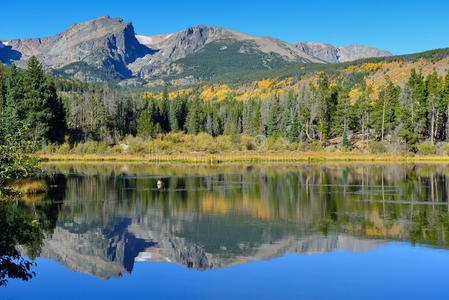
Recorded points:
143,39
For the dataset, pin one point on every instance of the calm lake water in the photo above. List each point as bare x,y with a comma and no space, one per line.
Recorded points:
248,232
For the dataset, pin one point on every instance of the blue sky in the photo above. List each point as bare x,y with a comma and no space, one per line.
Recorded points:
404,26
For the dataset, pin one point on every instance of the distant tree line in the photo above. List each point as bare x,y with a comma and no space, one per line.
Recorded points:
418,111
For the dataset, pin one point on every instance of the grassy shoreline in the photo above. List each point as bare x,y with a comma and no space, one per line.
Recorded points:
246,157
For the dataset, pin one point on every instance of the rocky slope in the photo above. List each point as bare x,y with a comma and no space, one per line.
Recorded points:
333,54
106,44
107,48
174,46
112,251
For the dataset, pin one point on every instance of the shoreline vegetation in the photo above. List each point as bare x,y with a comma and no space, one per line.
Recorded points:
204,148
322,121
326,119
245,157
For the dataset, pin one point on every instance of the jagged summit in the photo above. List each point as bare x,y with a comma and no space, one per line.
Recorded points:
104,43
108,48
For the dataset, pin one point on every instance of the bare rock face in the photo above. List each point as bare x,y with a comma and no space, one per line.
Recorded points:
354,52
173,46
105,48
111,47
104,43
332,54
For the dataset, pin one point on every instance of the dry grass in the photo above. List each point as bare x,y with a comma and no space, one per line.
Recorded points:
246,156
30,186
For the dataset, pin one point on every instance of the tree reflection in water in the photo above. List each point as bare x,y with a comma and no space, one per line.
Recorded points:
24,224
100,220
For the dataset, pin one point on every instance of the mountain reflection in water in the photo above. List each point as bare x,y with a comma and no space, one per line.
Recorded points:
106,218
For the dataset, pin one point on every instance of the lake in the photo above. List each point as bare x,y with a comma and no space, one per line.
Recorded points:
333,231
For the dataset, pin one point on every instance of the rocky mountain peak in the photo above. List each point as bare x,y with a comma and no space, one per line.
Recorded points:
105,43
109,48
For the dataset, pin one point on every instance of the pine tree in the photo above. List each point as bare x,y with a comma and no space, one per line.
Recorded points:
173,116
286,113
14,112
120,120
254,115
445,101
419,105
57,118
216,122
294,128
164,104
229,122
273,119
129,116
193,118
247,114
102,121
2,89
327,99
2,101
345,141
404,115
363,110
435,105
177,113
38,113
43,110
145,127
384,116
342,114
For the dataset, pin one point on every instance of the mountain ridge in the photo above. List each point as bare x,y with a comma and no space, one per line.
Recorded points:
110,46
336,54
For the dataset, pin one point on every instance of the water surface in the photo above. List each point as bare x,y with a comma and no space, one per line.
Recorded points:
307,231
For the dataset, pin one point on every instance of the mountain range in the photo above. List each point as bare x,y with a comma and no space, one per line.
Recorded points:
110,253
109,49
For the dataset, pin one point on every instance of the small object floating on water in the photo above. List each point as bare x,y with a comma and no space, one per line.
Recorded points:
160,184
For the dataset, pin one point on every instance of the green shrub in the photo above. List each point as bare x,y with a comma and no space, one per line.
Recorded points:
247,143
223,143
80,148
89,147
178,137
315,146
295,146
202,142
446,148
64,148
137,148
50,148
276,144
426,148
331,148
376,147
135,145
104,148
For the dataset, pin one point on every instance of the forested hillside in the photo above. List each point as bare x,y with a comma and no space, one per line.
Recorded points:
395,104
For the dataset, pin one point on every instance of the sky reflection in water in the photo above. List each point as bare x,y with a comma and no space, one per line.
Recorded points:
236,232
